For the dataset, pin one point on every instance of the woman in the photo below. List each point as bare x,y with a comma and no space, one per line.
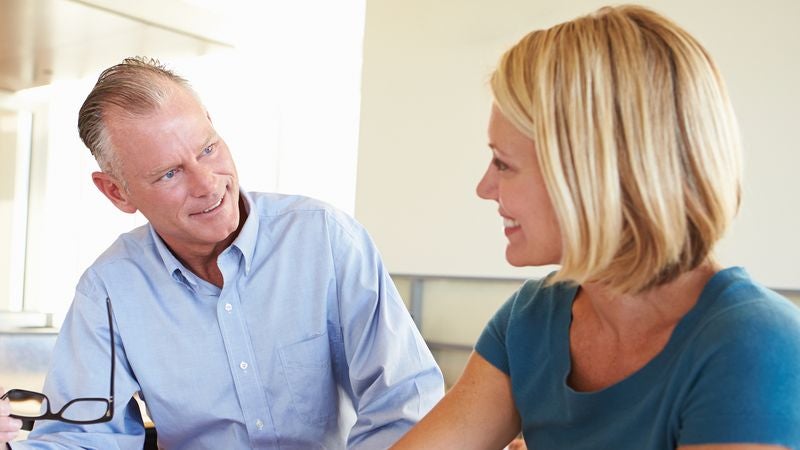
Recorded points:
615,153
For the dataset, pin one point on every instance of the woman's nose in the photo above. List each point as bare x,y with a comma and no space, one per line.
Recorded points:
486,186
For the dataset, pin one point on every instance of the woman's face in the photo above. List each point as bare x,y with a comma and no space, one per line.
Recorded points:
514,180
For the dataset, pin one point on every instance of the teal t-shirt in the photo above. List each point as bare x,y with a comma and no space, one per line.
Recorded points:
729,373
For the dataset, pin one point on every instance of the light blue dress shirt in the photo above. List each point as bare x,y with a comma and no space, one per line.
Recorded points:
307,345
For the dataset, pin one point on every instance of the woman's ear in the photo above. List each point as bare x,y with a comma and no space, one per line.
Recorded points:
114,191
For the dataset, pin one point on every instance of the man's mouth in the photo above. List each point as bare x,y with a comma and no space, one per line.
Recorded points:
214,206
510,223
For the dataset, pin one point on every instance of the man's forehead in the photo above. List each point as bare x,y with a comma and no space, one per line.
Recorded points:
145,149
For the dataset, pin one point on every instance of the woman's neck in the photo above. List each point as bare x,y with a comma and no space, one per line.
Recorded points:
641,313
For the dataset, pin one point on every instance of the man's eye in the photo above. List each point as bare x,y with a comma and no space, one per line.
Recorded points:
169,175
208,150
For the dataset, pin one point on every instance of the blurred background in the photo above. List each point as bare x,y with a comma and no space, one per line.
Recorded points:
378,107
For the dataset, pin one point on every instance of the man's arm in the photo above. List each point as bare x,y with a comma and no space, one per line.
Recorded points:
81,367
393,378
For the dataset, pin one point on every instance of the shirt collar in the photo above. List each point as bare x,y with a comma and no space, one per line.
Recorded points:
171,263
246,240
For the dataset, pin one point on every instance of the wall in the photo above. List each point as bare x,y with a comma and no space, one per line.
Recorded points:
425,104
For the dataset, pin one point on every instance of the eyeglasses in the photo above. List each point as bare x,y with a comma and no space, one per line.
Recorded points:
30,406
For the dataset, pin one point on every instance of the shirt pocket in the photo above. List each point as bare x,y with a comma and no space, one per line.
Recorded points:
309,377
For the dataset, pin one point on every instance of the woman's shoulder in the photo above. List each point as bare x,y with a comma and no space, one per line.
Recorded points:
737,303
745,320
543,294
740,362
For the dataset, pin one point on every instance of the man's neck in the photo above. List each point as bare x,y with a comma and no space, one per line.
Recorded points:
203,261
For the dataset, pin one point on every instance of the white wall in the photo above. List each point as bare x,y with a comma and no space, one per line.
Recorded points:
425,103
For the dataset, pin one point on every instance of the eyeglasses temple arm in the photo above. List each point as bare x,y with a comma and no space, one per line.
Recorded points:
113,350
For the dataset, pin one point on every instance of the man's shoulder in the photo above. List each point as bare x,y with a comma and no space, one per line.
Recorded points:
129,250
131,244
270,206
274,204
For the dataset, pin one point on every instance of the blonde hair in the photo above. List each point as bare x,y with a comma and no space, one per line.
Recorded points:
637,142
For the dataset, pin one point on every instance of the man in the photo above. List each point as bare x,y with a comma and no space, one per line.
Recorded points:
244,320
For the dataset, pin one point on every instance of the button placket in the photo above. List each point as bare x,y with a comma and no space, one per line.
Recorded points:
256,413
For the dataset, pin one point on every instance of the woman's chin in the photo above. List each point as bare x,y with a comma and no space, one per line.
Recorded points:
517,260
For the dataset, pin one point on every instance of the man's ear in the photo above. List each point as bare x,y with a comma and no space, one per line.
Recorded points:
114,191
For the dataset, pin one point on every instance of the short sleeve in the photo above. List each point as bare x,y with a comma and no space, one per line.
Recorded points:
747,386
491,344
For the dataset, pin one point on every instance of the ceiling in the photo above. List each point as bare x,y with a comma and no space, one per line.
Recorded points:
46,40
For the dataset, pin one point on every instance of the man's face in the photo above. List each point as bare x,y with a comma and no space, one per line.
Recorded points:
179,174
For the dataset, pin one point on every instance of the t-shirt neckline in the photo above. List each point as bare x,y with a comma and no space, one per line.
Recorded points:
642,379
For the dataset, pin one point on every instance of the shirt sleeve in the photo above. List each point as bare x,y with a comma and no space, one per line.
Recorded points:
81,367
391,375
747,387
491,343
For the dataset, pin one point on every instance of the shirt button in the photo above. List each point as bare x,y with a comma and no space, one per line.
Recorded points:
228,307
243,365
259,424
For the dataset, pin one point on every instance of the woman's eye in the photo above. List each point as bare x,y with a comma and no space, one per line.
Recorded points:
169,175
500,165
208,150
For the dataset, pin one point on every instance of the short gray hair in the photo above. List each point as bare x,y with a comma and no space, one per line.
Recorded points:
135,87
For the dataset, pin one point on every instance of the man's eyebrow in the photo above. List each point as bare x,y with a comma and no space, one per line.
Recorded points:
158,171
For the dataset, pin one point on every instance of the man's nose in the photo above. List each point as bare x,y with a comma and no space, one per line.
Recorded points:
203,181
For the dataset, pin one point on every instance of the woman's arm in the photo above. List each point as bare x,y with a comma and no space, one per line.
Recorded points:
477,413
